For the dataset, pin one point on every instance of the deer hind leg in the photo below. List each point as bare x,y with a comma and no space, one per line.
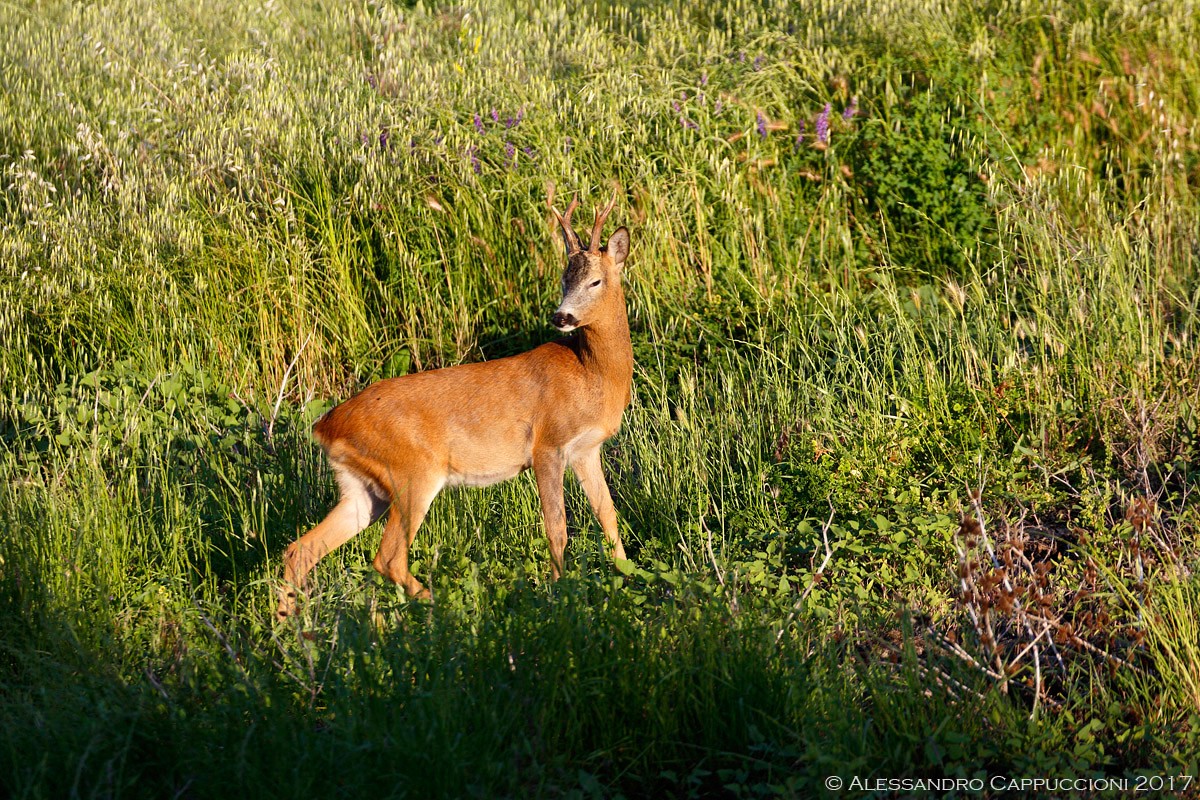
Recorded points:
360,505
591,478
410,504
549,468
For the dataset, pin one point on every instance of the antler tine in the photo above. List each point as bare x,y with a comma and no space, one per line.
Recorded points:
574,204
601,216
564,220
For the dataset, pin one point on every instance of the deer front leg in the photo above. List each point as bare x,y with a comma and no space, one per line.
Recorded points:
591,477
549,468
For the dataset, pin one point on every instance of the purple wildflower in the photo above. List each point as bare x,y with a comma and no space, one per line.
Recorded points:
718,108
383,137
704,79
510,154
851,109
675,106
478,124
509,123
364,138
495,115
823,124
520,114
799,137
475,165
437,139
372,81
761,124
742,56
691,125
758,62
528,151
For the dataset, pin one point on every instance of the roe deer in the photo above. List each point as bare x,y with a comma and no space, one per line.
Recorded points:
401,440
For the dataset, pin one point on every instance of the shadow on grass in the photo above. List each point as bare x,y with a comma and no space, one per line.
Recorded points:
585,690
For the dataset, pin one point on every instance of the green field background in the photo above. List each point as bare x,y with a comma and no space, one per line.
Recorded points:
909,479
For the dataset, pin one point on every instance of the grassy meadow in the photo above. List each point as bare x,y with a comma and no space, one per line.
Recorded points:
909,481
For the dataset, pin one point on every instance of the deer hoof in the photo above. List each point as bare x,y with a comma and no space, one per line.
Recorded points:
418,592
287,605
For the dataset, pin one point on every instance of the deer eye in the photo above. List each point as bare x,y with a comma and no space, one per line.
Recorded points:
594,284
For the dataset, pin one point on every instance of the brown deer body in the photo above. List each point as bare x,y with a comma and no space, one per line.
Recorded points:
400,441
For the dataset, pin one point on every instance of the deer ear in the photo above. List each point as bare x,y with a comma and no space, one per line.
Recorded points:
618,245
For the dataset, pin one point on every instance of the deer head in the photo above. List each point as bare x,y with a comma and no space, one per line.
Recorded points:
592,273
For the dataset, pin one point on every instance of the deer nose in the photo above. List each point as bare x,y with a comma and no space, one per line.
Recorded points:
561,320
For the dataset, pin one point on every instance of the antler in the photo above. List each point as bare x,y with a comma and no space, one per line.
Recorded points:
598,226
564,220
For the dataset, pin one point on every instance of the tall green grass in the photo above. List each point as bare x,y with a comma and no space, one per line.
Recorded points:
216,222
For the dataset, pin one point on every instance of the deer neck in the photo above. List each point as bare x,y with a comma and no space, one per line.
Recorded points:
604,345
